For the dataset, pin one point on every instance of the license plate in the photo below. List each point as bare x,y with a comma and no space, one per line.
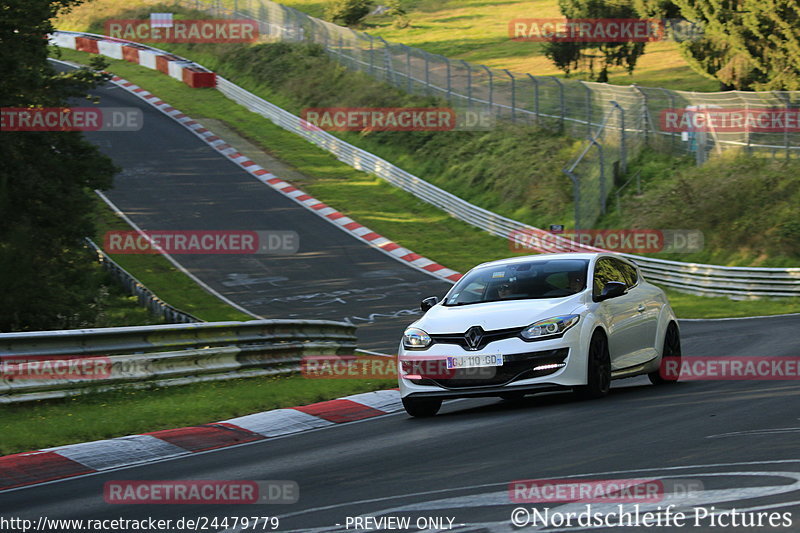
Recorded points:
474,361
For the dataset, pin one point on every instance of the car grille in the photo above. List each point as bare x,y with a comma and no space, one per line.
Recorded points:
488,337
515,367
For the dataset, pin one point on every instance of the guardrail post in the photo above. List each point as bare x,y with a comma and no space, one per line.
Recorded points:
371,54
469,83
535,97
561,100
786,132
513,95
576,196
409,78
449,80
387,61
427,74
623,155
671,97
645,114
588,104
491,87
602,176
787,107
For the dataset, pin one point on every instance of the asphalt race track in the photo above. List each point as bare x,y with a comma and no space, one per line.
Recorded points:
739,440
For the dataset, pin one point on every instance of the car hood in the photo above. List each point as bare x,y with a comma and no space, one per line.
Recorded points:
495,315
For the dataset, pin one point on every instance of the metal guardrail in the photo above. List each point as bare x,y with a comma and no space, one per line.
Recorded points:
688,277
145,296
160,356
691,277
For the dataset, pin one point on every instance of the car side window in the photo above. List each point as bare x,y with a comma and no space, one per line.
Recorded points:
605,270
629,274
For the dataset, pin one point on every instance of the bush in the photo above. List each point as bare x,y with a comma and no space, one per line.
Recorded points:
348,12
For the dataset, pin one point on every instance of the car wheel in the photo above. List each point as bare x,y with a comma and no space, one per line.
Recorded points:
672,349
599,369
422,407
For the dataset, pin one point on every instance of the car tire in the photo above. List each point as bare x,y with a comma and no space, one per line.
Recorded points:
672,349
598,374
422,407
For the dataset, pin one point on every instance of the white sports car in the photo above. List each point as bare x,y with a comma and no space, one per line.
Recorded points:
531,324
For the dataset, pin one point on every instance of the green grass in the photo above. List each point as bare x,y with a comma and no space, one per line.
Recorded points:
36,425
472,30
691,306
477,31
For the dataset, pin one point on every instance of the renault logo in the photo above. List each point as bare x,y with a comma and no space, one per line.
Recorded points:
473,337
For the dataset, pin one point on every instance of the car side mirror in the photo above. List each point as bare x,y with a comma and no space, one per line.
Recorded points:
427,303
612,289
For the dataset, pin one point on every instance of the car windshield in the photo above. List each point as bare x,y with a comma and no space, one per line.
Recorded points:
520,281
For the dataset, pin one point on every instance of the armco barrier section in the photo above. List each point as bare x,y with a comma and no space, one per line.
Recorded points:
145,296
735,282
181,69
162,355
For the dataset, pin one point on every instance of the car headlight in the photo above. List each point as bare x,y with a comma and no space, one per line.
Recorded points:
549,328
416,339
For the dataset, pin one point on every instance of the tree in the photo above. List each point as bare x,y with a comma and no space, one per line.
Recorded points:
596,57
746,44
46,182
399,12
348,12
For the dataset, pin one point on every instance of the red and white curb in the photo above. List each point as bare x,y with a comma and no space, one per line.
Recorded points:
62,462
346,224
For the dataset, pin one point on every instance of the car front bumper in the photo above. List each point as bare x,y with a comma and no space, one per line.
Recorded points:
527,367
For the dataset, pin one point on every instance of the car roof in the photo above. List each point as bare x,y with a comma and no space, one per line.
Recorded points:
547,257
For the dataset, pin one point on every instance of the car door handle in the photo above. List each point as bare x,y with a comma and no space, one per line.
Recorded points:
641,308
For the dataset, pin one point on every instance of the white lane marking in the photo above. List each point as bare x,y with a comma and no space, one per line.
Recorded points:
773,431
373,353
175,263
